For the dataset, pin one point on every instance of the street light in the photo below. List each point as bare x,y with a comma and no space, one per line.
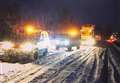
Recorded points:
73,32
30,30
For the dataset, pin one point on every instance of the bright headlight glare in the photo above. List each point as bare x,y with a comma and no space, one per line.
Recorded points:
27,47
7,45
66,42
90,42
57,42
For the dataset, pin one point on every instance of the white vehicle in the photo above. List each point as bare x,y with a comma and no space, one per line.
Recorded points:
43,45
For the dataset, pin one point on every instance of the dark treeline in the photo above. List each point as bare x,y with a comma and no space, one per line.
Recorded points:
9,16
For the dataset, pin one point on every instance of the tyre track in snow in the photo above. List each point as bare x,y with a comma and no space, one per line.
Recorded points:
79,67
20,74
115,56
95,72
64,71
91,70
111,73
43,68
114,66
103,78
81,72
100,67
71,71
24,74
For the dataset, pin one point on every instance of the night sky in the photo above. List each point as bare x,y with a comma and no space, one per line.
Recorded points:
99,12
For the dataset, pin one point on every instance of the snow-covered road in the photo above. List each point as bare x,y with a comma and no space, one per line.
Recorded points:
87,65
114,64
81,67
12,73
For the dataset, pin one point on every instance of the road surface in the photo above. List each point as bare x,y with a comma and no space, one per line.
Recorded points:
81,67
114,64
86,65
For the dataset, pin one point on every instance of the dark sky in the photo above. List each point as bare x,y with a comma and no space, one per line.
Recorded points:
101,12
96,11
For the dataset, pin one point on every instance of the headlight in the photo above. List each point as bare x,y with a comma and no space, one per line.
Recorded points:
66,42
89,42
27,47
57,42
7,45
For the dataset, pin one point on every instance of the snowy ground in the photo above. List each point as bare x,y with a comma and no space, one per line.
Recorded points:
114,64
77,68
87,65
9,71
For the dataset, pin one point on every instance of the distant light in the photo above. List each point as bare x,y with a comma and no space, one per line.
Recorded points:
7,45
112,39
89,42
98,37
57,42
73,32
66,42
29,29
27,46
43,44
